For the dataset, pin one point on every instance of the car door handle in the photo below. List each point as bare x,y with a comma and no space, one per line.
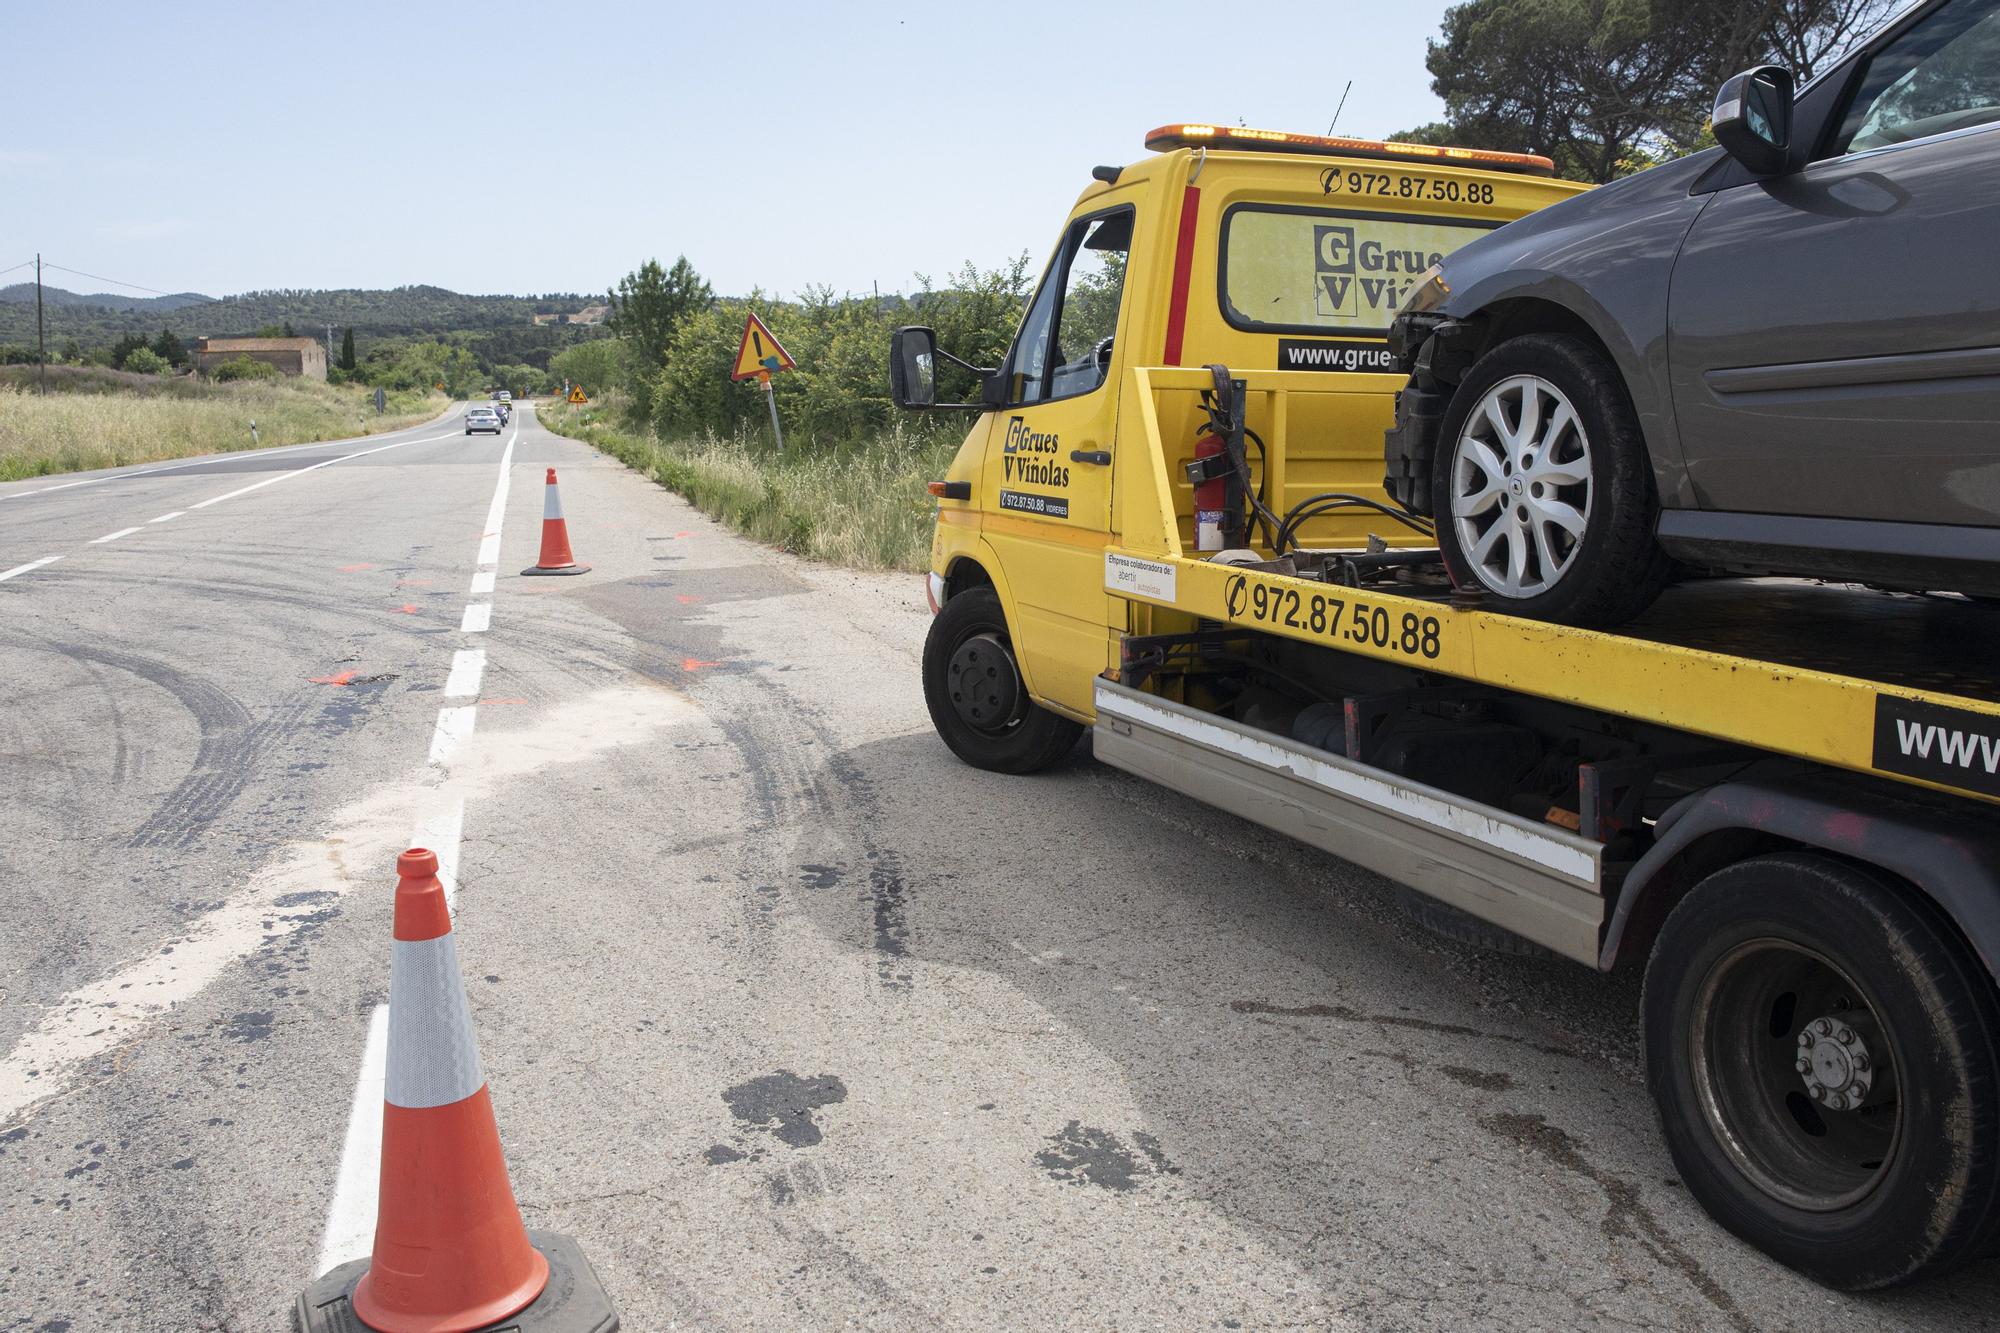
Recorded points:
1096,457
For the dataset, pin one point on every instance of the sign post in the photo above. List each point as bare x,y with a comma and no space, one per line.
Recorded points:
761,355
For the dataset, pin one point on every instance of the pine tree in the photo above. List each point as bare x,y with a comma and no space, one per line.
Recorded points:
170,349
347,349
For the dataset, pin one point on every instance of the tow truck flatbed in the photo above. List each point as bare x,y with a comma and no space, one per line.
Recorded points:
1899,687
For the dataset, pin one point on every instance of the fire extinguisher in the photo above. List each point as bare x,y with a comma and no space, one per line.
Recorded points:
1211,497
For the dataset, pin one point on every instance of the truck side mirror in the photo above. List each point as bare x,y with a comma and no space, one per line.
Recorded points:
913,367
1753,118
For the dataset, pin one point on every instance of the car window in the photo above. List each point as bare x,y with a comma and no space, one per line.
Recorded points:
1064,347
1323,270
1939,75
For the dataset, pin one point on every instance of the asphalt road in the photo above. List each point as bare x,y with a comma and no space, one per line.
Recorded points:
789,1018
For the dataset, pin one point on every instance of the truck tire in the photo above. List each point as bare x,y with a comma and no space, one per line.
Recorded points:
995,726
1551,521
1823,1052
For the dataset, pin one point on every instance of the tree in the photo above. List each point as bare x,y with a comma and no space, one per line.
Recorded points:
123,349
347,349
647,307
146,361
1608,87
72,351
170,349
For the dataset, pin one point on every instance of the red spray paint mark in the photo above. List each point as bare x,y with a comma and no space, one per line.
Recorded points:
408,608
696,664
353,569
679,535
688,598
338,678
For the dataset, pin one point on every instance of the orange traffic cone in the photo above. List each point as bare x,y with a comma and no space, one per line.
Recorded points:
556,558
451,1254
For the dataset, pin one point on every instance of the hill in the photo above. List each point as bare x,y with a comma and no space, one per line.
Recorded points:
97,320
23,293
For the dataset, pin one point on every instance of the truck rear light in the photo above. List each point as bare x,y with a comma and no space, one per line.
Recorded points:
951,490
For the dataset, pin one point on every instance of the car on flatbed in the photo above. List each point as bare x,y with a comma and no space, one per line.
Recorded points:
1774,356
1167,526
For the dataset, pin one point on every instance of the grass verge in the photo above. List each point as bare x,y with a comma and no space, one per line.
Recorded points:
93,418
861,505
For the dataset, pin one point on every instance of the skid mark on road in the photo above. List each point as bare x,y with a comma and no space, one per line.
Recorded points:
1627,1216
360,842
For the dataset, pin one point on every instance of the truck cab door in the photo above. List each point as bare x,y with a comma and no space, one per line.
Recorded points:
1046,481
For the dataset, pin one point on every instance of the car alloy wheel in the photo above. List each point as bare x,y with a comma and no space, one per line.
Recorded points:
1521,486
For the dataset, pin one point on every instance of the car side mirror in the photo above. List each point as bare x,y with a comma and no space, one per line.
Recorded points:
913,368
1753,118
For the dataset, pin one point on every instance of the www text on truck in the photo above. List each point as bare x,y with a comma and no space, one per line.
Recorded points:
1167,526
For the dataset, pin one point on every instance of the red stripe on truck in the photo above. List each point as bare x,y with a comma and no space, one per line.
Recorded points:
1183,271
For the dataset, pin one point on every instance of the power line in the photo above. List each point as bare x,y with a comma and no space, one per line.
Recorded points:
11,267
98,277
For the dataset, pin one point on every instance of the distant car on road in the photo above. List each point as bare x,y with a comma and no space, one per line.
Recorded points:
483,419
1772,357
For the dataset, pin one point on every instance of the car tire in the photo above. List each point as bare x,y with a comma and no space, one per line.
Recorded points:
1000,728
1553,522
1780,976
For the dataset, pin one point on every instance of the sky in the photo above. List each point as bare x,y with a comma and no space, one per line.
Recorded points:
502,147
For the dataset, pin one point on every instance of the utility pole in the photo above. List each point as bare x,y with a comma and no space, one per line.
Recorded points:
41,333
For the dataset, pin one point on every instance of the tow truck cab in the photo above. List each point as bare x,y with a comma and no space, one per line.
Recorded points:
1251,248
1168,524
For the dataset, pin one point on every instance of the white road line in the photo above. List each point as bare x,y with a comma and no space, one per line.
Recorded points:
209,462
32,564
467,666
454,725
350,1218
112,536
164,517
314,467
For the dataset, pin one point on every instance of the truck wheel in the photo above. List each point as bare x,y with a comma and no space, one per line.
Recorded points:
1541,487
1823,1052
978,701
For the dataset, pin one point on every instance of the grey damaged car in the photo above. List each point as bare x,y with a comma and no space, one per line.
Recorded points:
1778,356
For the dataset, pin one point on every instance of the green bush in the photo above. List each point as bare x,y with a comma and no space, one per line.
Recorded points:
146,361
235,368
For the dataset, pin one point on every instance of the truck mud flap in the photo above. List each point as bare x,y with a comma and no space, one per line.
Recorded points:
1541,883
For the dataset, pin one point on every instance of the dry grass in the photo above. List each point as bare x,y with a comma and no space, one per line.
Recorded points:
100,418
861,505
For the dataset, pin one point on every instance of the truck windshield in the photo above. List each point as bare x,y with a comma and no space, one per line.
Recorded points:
1322,270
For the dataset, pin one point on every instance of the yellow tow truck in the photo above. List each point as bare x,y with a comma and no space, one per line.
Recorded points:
1168,526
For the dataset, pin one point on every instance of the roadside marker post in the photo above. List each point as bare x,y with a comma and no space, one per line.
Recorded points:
761,354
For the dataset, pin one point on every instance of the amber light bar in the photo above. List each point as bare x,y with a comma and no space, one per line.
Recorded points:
1278,141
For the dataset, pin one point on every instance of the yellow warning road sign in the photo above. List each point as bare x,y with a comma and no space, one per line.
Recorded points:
576,394
760,354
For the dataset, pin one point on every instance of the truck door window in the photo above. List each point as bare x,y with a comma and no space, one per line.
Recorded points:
1942,74
1064,347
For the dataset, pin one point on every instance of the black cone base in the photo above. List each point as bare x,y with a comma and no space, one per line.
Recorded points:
560,569
573,1302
